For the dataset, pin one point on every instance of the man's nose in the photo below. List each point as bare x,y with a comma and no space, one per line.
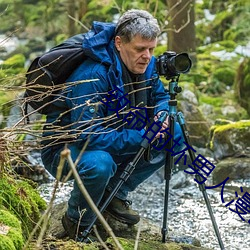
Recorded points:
146,54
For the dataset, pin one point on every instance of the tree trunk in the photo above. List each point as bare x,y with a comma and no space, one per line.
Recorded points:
83,7
181,27
71,6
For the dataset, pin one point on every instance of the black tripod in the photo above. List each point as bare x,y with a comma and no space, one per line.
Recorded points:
173,90
129,169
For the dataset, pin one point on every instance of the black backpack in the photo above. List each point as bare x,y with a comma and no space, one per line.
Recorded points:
47,74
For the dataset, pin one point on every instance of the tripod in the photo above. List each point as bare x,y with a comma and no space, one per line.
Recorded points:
129,169
173,90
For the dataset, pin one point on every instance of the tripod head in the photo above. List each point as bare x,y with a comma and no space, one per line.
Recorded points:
174,89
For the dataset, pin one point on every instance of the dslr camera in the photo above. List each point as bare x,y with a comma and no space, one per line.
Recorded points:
171,65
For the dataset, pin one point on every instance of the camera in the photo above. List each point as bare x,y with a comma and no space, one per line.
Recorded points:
171,65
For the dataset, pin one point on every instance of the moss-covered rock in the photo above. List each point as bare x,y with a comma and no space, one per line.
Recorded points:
10,231
150,235
22,200
128,244
234,168
231,139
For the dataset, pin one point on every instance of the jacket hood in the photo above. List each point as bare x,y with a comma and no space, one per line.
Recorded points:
98,43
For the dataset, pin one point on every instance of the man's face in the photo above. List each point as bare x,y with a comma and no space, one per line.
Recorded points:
137,53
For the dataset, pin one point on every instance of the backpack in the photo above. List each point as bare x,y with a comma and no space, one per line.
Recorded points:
47,74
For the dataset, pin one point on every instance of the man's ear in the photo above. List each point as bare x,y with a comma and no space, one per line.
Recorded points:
118,42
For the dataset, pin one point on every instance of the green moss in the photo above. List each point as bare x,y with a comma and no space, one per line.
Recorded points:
214,101
225,75
6,243
6,96
160,49
228,45
128,244
16,61
13,71
219,131
242,84
13,238
91,247
60,38
21,199
236,125
16,237
174,246
9,219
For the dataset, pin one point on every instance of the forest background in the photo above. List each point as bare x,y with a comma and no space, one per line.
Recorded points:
214,33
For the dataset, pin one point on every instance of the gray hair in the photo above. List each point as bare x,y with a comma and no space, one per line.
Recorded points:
137,22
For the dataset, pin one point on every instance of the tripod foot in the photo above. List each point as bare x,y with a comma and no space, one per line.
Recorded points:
164,232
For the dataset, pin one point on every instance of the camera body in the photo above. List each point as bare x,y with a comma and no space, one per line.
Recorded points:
171,65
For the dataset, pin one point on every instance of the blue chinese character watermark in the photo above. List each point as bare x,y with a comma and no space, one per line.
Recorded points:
136,119
242,205
201,167
114,96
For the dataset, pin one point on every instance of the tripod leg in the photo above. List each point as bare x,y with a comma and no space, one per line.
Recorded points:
124,176
129,168
168,172
202,188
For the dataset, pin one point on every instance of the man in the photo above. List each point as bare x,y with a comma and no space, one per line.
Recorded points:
99,115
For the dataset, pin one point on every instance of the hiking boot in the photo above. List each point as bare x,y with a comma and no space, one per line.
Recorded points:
121,211
75,231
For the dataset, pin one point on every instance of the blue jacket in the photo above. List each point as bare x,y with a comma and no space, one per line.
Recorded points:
88,117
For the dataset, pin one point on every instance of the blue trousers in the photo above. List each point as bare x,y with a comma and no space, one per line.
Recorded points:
100,170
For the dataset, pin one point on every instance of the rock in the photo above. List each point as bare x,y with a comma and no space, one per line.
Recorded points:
206,109
20,209
197,125
179,180
189,96
231,139
149,238
228,110
234,168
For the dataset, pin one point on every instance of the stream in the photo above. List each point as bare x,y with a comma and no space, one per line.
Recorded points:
187,212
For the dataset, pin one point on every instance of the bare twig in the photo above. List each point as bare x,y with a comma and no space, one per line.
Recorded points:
67,155
137,236
77,21
99,238
46,216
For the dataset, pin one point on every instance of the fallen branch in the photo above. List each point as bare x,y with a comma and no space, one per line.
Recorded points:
65,154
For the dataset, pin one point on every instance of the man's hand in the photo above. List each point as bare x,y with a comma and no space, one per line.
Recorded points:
165,125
